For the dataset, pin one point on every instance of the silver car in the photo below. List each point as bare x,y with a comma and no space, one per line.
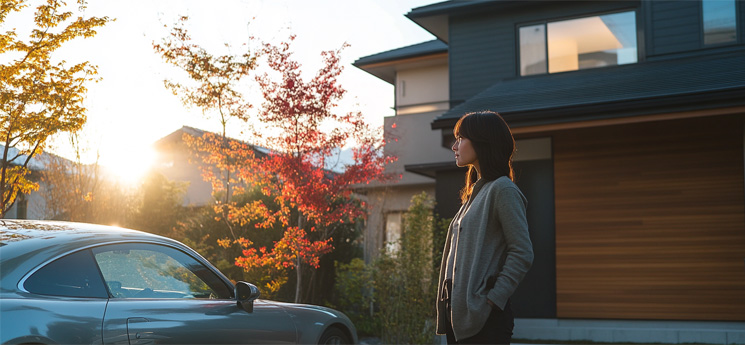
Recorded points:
73,283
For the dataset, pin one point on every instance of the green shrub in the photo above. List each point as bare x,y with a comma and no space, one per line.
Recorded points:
354,287
395,296
405,283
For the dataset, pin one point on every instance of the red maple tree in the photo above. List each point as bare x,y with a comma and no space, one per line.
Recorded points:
299,125
308,134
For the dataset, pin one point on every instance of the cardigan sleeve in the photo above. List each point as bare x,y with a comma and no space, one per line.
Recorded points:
511,213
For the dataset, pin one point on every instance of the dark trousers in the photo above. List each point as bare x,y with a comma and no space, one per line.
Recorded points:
497,329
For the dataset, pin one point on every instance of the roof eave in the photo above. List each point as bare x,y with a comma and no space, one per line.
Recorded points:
616,109
385,64
430,169
435,17
435,25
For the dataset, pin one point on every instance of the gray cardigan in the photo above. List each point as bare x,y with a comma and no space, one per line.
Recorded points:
493,242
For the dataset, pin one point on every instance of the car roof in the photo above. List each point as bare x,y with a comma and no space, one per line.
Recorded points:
15,234
25,244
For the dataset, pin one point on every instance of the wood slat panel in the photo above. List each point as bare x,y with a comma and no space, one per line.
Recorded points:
650,220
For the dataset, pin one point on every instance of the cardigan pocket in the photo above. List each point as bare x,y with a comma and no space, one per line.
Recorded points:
491,281
486,285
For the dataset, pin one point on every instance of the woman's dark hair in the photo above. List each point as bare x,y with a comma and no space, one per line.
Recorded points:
494,145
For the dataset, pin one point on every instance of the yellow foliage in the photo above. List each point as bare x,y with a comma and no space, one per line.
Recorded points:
224,242
38,96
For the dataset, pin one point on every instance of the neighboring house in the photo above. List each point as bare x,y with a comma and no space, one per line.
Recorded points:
629,117
32,205
176,162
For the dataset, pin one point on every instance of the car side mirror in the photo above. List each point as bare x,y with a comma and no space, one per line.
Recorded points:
246,294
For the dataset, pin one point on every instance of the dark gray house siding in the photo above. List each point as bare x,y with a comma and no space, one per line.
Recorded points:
673,26
741,18
477,53
483,46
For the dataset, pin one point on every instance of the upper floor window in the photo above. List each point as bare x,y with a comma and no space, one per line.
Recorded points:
719,20
582,43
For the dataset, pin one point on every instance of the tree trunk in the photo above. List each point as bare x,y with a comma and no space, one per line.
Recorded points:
299,279
298,262
226,202
309,293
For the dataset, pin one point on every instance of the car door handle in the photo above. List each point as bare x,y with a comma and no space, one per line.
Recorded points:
133,332
143,331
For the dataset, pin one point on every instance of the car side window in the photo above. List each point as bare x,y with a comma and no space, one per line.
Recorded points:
139,270
74,275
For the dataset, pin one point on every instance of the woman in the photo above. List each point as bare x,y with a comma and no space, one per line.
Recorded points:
488,250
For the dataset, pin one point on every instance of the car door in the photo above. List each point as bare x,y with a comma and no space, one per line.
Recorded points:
162,295
61,302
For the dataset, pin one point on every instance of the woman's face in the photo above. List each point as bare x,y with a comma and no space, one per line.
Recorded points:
465,155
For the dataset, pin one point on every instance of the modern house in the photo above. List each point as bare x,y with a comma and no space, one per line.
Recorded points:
629,117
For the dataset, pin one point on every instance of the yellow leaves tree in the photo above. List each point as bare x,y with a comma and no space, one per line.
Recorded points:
39,96
213,87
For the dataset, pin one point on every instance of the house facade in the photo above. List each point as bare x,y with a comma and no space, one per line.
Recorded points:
176,162
31,205
629,117
420,76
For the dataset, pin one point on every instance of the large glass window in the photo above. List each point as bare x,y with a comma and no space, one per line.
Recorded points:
533,49
720,23
581,43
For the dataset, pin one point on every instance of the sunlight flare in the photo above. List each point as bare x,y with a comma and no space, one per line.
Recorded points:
129,164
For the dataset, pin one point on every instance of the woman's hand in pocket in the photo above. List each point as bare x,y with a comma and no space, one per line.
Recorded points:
493,305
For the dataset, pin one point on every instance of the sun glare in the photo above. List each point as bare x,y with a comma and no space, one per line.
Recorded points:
129,166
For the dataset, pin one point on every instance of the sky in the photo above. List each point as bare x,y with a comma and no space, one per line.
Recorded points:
129,108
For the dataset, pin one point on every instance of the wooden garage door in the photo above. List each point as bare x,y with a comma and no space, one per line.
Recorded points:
650,220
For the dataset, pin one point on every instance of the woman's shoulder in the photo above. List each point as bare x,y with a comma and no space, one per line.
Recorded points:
501,183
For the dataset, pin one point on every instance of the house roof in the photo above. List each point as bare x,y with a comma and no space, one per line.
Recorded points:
37,163
455,6
416,50
176,135
382,66
693,83
336,163
435,17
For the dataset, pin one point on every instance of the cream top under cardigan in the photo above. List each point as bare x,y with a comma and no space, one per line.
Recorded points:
493,241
